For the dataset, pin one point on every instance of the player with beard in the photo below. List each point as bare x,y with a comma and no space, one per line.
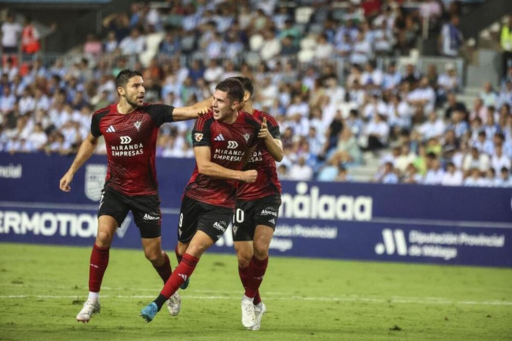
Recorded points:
130,129
224,140
257,210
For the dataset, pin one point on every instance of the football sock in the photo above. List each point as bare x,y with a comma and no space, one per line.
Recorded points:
98,265
164,270
255,274
243,273
94,296
180,274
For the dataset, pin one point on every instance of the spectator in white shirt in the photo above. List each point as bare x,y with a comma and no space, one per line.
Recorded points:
362,50
298,106
134,44
476,160
423,95
398,112
434,127
392,78
505,178
7,101
452,176
406,157
11,35
435,173
488,95
271,45
483,144
499,160
213,73
371,77
301,171
323,49
38,137
26,102
388,175
474,179
378,132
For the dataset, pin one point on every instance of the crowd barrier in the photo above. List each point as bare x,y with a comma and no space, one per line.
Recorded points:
357,221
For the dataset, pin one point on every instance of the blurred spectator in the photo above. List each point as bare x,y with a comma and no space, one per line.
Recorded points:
388,175
506,45
301,171
133,44
11,34
452,177
451,38
435,173
30,44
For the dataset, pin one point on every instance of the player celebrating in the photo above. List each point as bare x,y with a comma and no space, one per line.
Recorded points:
130,129
223,142
257,208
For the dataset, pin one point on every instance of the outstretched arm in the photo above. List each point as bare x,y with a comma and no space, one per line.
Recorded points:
207,167
84,153
192,112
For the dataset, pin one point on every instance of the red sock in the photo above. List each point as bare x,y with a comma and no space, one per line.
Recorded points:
98,265
178,256
243,273
255,274
182,272
164,270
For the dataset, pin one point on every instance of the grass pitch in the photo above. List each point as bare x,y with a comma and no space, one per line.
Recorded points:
43,288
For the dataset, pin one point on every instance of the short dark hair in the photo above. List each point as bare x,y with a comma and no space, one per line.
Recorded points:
124,77
247,84
233,87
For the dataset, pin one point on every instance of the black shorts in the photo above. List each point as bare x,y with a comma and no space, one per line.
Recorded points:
249,214
196,215
145,210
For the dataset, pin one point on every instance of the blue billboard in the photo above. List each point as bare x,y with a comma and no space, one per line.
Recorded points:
358,221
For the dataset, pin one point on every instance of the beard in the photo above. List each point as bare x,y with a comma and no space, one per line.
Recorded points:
134,104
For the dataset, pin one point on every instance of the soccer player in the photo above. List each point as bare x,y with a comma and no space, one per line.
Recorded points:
223,140
257,209
130,129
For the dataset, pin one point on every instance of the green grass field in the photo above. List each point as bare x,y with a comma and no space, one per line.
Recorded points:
43,288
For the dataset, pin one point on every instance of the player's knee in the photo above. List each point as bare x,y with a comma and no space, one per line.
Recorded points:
261,249
196,250
244,259
103,239
153,257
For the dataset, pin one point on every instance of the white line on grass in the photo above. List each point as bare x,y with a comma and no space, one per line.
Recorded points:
353,298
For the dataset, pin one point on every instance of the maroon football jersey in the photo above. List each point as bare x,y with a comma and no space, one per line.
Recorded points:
131,145
228,144
267,182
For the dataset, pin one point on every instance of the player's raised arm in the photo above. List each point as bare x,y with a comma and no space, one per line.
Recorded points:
206,167
84,153
192,112
272,141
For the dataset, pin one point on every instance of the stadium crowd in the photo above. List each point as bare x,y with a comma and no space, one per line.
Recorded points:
315,72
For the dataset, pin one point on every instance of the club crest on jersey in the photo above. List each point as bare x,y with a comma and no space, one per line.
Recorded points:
247,137
137,125
198,136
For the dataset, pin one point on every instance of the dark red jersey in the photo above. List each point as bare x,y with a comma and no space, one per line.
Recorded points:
228,144
267,182
131,145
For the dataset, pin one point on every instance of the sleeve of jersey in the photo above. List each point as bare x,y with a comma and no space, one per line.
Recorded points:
273,128
201,132
160,113
95,125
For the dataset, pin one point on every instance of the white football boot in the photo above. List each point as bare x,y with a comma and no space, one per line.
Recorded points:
174,304
90,307
248,315
259,310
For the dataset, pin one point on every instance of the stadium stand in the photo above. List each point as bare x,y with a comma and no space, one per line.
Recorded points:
354,98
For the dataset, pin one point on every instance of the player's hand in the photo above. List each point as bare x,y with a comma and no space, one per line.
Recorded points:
203,110
249,176
65,182
264,133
